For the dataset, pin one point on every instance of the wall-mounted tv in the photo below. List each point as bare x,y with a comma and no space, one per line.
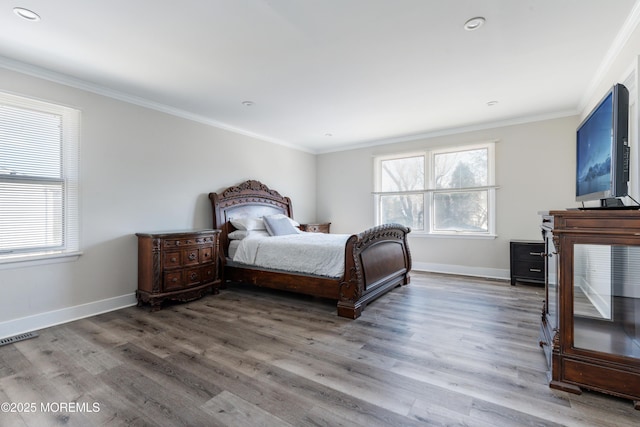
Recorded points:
602,166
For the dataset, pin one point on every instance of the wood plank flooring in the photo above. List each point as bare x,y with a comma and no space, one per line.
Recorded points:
442,351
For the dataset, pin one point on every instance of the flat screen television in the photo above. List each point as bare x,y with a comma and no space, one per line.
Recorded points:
602,164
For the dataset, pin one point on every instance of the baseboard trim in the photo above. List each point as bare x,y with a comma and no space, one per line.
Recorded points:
463,270
56,317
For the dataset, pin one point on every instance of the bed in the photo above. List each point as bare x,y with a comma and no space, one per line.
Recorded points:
375,261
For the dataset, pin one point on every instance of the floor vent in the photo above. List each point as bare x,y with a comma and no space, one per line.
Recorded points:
16,338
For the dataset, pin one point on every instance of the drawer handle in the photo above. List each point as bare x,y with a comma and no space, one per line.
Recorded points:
174,280
535,270
192,256
194,276
536,253
173,259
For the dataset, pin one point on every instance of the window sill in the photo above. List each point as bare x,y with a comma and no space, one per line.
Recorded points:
422,234
30,260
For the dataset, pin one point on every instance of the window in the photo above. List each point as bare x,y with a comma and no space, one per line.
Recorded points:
38,178
446,191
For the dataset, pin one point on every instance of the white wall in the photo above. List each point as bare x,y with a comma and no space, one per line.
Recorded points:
535,167
140,170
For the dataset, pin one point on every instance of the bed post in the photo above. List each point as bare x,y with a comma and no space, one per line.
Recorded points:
351,288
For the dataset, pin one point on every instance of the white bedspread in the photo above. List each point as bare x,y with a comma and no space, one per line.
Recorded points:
312,253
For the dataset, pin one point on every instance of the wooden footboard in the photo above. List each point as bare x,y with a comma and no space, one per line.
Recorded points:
376,261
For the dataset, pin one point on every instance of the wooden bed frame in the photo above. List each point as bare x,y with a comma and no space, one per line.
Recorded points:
376,260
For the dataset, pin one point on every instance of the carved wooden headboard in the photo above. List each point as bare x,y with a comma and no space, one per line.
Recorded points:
251,198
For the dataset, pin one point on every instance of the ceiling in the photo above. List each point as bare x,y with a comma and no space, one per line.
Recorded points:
324,75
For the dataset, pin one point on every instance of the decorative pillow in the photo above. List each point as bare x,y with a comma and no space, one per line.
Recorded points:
293,222
279,226
248,223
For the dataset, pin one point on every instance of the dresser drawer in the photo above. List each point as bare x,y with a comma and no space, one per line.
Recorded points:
177,243
527,261
206,254
187,241
172,259
192,277
191,257
528,252
173,280
533,270
208,273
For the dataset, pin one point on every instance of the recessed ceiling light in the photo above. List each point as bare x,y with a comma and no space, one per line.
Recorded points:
492,103
247,103
474,23
27,14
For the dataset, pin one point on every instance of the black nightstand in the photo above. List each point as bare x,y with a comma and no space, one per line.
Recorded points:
527,261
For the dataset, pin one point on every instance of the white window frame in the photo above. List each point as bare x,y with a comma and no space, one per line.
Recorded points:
429,190
70,141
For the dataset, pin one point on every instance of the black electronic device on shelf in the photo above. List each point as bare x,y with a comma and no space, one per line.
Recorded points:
602,152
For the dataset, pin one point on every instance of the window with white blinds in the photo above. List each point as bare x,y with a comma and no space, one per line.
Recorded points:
38,178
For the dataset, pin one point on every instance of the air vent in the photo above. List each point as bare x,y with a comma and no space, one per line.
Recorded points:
16,338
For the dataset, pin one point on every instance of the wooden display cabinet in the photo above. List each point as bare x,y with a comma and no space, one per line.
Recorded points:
590,328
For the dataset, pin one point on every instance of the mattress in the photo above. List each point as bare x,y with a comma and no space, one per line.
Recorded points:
309,253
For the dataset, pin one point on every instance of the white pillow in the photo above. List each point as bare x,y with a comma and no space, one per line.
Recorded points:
248,223
238,234
293,222
279,226
241,234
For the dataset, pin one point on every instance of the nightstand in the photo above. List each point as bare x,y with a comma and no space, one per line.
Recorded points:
179,266
527,261
316,228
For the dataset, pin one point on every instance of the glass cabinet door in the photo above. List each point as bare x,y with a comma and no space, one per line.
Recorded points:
552,266
606,299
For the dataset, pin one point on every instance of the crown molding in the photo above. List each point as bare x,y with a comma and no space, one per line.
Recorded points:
627,29
76,83
454,131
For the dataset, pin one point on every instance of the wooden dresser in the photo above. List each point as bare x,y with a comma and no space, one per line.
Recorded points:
316,228
179,265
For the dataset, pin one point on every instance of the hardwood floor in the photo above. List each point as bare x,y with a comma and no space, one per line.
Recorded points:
443,350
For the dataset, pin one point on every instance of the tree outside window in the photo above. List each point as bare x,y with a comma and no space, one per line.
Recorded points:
453,193
403,181
462,207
